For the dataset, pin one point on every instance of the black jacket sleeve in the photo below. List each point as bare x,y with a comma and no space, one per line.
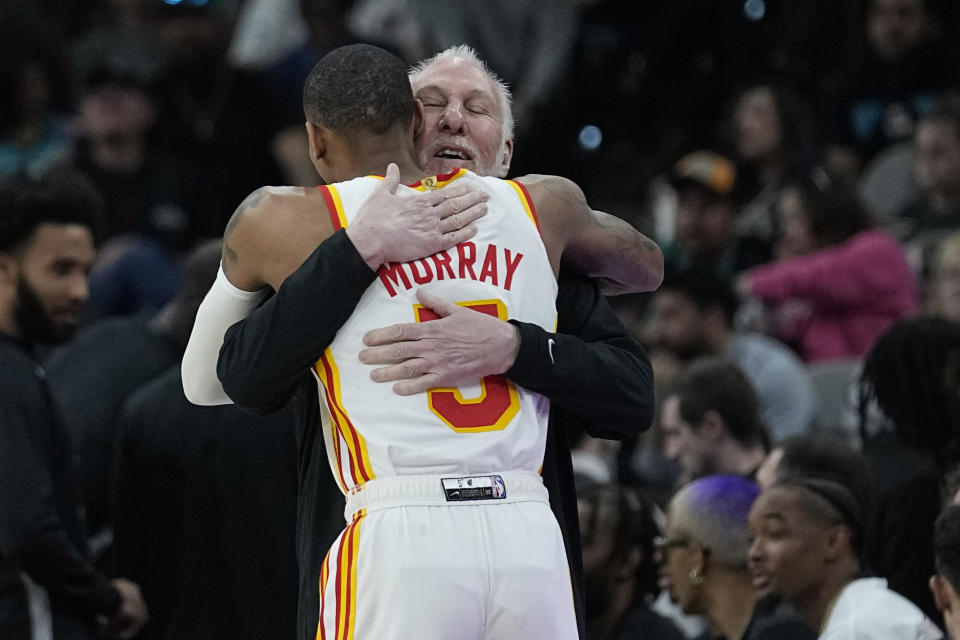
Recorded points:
266,355
592,368
32,536
601,376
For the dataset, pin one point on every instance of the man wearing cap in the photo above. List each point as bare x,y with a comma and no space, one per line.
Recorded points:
704,228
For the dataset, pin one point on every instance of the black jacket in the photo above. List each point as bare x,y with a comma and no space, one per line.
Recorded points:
41,527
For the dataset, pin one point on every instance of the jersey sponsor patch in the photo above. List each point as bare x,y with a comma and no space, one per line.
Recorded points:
474,488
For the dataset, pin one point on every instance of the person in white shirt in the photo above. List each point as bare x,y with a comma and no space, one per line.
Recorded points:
807,535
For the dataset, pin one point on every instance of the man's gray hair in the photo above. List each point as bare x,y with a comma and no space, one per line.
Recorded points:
469,54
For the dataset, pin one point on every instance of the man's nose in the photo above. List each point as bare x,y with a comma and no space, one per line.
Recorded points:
79,288
452,119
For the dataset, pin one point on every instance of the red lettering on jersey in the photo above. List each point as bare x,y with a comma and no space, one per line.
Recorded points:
468,255
489,268
442,263
389,277
415,272
511,268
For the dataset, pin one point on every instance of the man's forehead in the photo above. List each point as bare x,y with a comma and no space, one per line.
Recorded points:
441,74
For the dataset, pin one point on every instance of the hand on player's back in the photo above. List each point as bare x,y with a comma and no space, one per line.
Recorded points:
461,346
394,228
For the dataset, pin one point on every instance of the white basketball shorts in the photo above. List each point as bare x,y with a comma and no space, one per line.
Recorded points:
431,558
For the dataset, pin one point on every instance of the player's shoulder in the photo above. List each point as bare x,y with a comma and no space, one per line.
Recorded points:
272,207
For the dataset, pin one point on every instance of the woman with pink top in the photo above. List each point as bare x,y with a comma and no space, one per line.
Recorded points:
838,281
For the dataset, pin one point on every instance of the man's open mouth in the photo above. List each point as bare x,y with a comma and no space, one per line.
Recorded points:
452,153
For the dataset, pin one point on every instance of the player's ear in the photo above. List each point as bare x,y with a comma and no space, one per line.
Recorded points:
316,140
419,122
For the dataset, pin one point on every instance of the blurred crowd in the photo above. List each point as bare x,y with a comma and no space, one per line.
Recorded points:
797,161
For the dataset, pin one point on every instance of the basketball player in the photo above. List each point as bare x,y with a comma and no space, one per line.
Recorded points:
494,564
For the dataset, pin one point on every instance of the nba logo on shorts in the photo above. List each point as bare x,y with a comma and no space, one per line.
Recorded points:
499,490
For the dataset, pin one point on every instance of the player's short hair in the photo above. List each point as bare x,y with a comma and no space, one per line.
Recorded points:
501,89
57,197
946,545
358,89
712,512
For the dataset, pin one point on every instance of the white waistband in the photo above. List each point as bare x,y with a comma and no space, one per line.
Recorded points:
430,490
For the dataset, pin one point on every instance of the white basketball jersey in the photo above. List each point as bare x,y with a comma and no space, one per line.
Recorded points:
489,426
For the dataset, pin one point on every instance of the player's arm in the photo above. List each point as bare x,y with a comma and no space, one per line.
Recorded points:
591,242
251,265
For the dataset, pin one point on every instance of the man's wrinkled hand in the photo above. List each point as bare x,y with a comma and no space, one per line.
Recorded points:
393,228
461,346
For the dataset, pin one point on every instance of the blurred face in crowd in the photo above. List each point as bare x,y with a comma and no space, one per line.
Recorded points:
937,151
896,27
463,120
787,552
680,441
757,124
795,239
945,286
115,111
679,555
704,222
50,275
677,324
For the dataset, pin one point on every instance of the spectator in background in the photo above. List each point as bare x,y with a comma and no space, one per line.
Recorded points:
896,80
33,136
693,316
47,586
618,529
704,227
775,139
704,554
710,421
141,188
807,533
222,123
839,282
943,290
94,375
944,583
911,376
937,166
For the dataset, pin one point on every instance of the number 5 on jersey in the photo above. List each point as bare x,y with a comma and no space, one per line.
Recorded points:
498,402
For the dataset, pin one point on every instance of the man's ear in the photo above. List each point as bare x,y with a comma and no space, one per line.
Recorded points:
941,596
9,269
712,428
316,140
837,541
506,156
419,121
